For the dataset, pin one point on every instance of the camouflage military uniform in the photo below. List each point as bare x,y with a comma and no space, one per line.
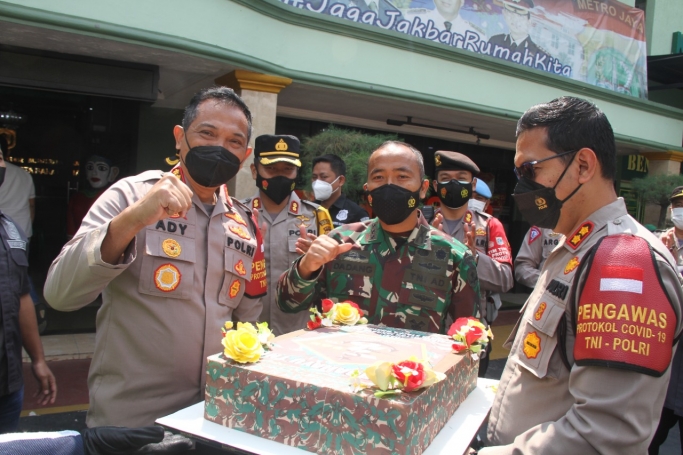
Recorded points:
413,284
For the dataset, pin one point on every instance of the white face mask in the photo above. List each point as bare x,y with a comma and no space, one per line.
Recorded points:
474,204
677,217
323,190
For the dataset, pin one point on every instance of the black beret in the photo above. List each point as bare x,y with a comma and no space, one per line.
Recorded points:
445,161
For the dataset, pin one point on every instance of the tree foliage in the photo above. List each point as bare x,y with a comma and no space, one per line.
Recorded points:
354,147
656,189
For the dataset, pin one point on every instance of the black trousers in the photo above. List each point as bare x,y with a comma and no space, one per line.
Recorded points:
666,422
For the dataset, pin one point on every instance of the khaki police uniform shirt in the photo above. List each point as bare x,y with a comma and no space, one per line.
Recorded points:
163,305
494,266
535,249
541,406
676,251
280,250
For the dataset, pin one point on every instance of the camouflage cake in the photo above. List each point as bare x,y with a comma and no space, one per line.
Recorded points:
300,393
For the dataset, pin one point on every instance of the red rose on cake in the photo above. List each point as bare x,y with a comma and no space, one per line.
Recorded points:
469,335
410,374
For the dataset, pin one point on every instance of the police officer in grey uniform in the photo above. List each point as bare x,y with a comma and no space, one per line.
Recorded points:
535,249
287,218
673,238
172,255
591,353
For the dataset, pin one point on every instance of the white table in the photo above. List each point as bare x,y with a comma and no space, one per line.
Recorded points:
453,439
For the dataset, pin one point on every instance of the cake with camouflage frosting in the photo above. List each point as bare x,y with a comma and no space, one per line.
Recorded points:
300,393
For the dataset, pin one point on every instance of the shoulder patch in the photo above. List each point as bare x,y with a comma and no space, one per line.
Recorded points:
580,234
624,318
534,233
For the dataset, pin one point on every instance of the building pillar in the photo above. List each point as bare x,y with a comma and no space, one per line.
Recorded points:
259,92
665,163
661,163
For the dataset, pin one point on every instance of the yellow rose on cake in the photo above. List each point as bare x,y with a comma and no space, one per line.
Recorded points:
346,313
246,343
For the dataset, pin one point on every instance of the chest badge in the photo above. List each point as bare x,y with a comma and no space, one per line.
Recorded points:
571,265
240,232
304,221
234,289
235,217
479,232
540,311
171,248
167,278
239,268
532,345
342,215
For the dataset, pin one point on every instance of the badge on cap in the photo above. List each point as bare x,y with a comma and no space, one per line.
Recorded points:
167,278
171,248
240,232
281,146
234,289
532,345
437,160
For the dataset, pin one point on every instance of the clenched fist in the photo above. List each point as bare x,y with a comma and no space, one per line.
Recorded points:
168,197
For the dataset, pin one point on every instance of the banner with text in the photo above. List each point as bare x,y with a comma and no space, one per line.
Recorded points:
601,42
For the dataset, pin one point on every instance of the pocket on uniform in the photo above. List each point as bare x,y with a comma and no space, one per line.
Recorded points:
237,273
167,266
538,330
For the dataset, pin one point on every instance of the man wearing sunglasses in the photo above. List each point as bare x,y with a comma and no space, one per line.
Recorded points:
590,356
462,218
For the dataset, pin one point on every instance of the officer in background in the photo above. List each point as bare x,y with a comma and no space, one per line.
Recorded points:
483,234
462,218
172,254
328,176
673,238
672,412
286,216
18,325
400,271
590,356
532,254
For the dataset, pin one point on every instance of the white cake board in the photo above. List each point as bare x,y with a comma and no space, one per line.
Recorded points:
453,439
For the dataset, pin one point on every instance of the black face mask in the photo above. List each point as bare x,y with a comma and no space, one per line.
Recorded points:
454,194
2,174
211,165
393,204
276,188
539,204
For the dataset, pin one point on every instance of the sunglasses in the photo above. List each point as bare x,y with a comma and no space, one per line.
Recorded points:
527,171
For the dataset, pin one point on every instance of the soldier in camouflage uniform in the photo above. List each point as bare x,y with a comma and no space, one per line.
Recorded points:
399,270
